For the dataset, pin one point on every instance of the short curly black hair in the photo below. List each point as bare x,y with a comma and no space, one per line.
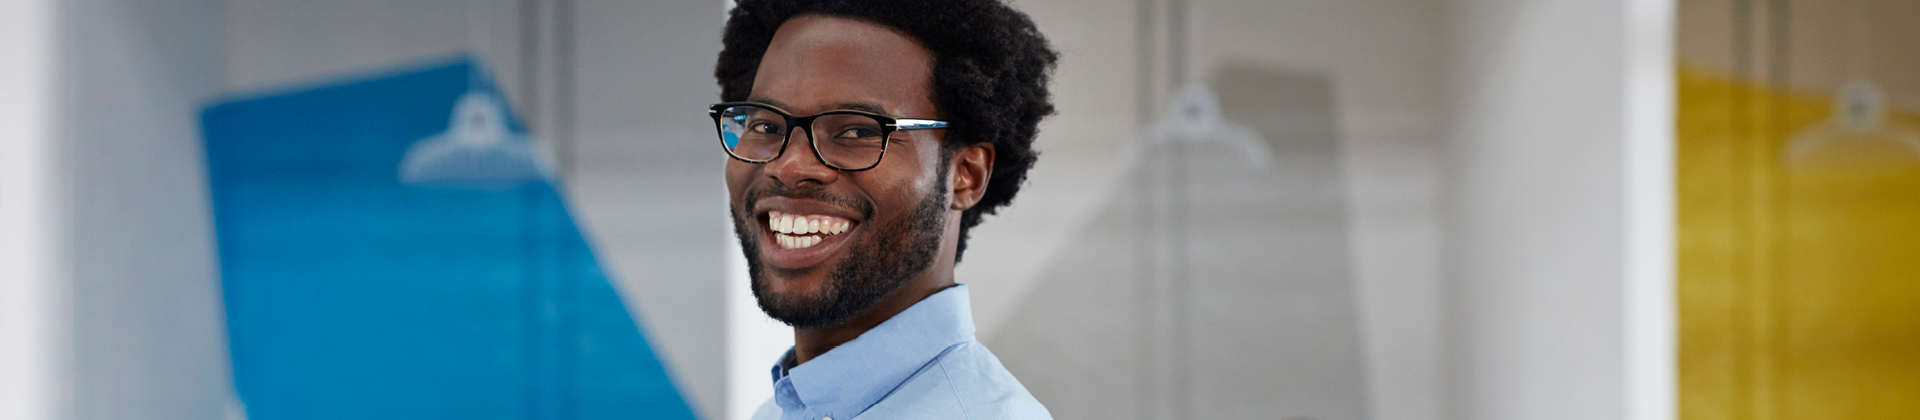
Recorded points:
990,72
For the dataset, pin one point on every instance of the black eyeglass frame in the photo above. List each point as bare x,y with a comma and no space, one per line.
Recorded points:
888,125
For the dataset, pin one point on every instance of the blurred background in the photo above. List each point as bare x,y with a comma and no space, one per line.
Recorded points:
1261,209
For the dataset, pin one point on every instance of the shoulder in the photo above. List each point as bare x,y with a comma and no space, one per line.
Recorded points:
965,382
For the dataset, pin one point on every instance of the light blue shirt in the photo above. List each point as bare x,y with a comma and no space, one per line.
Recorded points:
922,364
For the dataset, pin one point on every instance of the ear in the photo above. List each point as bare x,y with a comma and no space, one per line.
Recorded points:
972,168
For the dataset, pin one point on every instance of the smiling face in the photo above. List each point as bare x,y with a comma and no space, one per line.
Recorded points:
824,245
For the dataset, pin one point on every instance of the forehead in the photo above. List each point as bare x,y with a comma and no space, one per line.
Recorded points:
819,63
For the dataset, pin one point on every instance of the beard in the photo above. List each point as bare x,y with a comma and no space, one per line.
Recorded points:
874,266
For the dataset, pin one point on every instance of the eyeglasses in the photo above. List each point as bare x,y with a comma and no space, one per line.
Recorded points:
853,141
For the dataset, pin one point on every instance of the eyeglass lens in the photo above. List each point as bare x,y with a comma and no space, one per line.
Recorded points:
848,141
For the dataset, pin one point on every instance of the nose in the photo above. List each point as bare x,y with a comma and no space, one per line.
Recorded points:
797,163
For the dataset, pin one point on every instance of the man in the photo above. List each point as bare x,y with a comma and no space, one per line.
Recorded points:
867,137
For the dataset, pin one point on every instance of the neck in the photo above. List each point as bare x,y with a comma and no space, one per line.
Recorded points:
809,343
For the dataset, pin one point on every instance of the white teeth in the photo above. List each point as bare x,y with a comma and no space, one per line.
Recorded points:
792,225
796,242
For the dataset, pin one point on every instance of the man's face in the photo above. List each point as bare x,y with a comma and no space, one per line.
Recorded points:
823,245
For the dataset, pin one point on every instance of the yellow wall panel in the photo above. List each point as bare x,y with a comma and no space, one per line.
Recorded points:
1799,279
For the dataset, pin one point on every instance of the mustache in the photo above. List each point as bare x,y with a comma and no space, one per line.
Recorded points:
814,192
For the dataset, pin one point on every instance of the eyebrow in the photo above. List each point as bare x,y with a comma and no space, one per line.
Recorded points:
849,106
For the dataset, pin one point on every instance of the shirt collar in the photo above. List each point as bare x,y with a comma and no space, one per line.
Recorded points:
846,380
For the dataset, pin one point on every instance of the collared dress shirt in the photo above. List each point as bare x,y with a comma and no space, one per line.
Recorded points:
924,363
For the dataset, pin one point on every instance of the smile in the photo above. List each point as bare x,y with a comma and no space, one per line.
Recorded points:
798,231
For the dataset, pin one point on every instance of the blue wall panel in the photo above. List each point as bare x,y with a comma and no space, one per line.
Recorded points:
350,294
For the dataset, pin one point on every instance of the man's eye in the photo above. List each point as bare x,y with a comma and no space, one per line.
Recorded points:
766,128
859,133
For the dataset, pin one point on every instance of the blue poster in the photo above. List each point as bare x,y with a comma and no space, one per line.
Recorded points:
390,248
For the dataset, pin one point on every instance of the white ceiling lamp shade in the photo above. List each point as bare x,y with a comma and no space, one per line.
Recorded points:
1857,132
478,150
1194,116
1858,129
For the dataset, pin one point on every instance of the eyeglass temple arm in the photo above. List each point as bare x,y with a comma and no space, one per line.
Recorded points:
916,124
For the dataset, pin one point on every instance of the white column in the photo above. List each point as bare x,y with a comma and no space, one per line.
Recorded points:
1652,324
1558,232
30,310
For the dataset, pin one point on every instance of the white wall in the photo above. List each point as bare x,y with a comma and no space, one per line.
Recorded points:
274,44
1386,63
1553,204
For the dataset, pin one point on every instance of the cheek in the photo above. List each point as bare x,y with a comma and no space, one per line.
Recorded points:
899,185
927,164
